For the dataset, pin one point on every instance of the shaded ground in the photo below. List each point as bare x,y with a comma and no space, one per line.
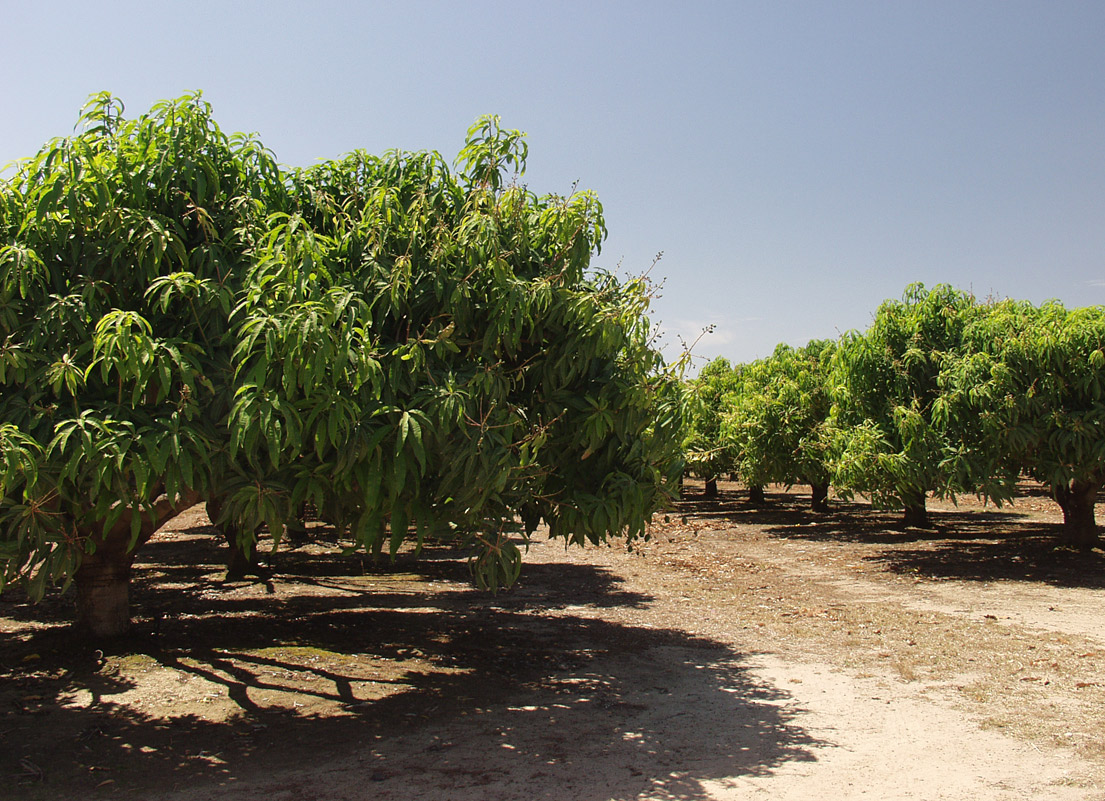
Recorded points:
742,652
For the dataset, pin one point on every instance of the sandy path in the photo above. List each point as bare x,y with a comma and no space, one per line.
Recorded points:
785,732
882,741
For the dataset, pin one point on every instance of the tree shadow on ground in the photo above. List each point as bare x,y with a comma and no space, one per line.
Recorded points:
968,545
431,690
1023,552
729,499
786,510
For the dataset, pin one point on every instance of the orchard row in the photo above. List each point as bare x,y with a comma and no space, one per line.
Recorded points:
943,394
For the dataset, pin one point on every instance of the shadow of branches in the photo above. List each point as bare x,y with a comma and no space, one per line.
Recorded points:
966,544
429,685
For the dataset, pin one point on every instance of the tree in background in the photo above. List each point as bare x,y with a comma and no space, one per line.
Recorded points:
776,423
888,443
707,455
1032,384
420,354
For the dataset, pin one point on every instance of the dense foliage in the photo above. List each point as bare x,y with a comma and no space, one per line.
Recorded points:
1032,383
891,441
417,352
942,394
776,422
708,455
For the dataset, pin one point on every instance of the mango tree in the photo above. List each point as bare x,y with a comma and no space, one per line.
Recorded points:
420,353
112,398
707,456
1034,379
887,443
776,424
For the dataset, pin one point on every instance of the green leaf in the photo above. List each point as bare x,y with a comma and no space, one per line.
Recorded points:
399,526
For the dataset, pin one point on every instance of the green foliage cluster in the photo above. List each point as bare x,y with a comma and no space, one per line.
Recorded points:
707,453
941,395
890,441
1031,390
776,426
420,353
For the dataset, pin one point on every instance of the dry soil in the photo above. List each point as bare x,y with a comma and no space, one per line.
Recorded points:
743,652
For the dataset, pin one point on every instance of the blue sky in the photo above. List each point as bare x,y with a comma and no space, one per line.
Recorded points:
796,162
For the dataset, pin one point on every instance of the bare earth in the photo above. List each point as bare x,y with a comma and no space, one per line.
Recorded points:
742,653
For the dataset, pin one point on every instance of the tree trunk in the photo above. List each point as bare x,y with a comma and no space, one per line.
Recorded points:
916,514
241,561
103,590
296,529
756,495
820,500
103,578
1077,501
711,488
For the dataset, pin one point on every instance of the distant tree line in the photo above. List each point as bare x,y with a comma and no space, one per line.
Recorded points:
942,394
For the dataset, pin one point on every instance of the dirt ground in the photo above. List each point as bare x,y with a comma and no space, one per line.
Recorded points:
741,653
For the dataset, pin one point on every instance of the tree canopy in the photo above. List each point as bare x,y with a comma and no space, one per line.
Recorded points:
418,352
776,422
1032,381
886,389
707,453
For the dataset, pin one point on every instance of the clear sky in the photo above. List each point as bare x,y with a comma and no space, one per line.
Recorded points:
796,162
